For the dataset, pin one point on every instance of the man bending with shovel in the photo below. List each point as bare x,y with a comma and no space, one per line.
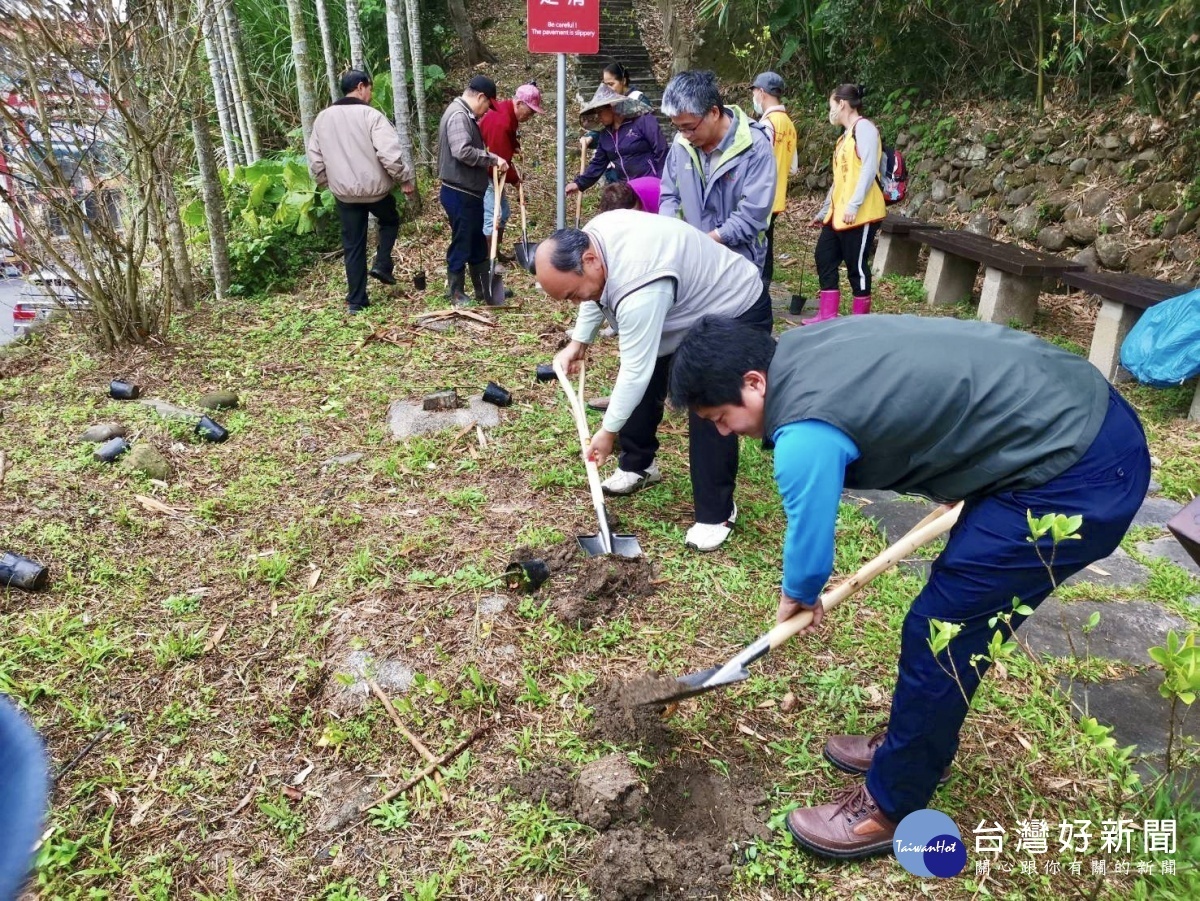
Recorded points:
945,409
652,278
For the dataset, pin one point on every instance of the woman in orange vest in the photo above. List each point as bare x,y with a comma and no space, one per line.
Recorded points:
853,207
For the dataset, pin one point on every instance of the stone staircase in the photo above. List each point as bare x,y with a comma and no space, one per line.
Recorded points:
620,41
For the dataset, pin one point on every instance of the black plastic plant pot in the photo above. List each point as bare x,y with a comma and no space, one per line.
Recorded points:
21,572
494,394
110,450
545,372
121,390
797,305
211,431
419,281
527,575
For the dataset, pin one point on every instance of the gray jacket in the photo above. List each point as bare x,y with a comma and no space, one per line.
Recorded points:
737,196
463,158
355,153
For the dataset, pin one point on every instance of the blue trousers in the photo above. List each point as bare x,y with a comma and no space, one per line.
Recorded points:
24,788
467,245
987,563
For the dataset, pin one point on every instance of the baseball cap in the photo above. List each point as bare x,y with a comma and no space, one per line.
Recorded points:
481,84
530,96
771,82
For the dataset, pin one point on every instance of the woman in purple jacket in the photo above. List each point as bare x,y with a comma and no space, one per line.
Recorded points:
630,139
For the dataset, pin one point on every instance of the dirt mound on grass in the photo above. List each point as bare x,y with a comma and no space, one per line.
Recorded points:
585,590
620,715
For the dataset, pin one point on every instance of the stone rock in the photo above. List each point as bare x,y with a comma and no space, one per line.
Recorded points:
1026,222
895,517
1167,548
1111,220
1110,142
1053,238
1082,231
1019,196
1058,157
492,605
939,191
980,224
146,459
1162,196
1095,201
902,139
1155,511
393,676
1117,570
1189,220
963,203
407,419
343,460
1181,251
1088,258
1125,632
608,791
103,431
440,400
1148,156
168,411
1039,135
1079,166
1171,227
218,400
1144,258
1135,204
1112,251
976,153
1055,205
1072,211
1000,182
925,166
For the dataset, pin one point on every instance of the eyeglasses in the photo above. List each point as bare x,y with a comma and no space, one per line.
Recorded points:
689,129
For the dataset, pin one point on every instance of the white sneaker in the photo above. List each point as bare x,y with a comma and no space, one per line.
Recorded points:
622,482
608,332
705,536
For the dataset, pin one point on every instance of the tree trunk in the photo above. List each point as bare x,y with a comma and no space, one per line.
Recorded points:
237,108
304,91
354,26
219,98
679,37
473,47
395,35
418,71
178,240
214,205
234,34
327,49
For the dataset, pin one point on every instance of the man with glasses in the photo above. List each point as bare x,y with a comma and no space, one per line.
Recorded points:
720,171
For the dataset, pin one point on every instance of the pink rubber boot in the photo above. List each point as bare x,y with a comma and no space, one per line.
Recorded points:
862,305
827,307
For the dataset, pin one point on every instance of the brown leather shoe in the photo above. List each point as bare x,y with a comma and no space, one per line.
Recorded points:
598,403
849,827
854,753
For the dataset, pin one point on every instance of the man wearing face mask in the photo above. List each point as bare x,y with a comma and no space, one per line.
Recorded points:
463,165
720,171
767,93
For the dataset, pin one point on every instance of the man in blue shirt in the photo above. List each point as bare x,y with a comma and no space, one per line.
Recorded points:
950,410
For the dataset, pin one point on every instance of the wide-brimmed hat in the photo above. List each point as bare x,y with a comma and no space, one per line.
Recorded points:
606,96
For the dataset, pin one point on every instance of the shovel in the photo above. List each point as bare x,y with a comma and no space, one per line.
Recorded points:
582,168
936,523
524,252
496,296
605,542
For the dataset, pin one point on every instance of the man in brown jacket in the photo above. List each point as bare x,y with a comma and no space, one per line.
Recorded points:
355,153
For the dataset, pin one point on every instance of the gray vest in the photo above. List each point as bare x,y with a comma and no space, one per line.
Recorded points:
939,407
639,248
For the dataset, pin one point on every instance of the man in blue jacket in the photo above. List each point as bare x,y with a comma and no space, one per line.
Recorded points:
950,410
720,171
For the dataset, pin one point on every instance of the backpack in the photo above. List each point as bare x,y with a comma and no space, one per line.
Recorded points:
893,175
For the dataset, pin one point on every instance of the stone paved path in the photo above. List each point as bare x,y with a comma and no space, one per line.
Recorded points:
1127,628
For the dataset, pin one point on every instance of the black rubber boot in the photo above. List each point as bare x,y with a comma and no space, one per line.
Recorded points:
479,280
500,254
455,284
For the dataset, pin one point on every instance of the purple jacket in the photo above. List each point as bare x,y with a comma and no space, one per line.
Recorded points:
637,148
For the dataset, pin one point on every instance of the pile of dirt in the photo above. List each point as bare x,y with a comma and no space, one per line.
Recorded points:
620,713
675,837
585,590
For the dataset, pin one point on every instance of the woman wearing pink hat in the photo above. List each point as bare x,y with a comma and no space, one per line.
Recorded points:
499,129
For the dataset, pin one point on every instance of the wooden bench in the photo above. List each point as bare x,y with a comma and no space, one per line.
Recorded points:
895,251
1012,277
1123,299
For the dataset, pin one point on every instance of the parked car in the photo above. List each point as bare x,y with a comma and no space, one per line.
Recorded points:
9,270
44,293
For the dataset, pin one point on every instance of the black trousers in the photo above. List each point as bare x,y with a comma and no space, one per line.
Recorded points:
467,243
769,264
852,247
354,242
712,457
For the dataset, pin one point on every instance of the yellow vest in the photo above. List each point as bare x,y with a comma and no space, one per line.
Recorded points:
846,170
785,152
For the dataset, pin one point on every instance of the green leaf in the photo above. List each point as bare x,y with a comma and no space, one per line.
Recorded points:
193,214
258,191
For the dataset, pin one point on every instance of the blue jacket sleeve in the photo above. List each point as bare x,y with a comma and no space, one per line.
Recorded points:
810,468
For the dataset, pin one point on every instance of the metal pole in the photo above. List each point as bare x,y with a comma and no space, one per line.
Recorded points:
560,215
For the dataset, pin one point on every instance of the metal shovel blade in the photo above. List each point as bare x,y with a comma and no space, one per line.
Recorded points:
524,253
622,546
698,683
495,288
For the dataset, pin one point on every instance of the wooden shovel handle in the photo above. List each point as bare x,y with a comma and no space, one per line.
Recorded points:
497,188
579,414
582,169
521,200
935,524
